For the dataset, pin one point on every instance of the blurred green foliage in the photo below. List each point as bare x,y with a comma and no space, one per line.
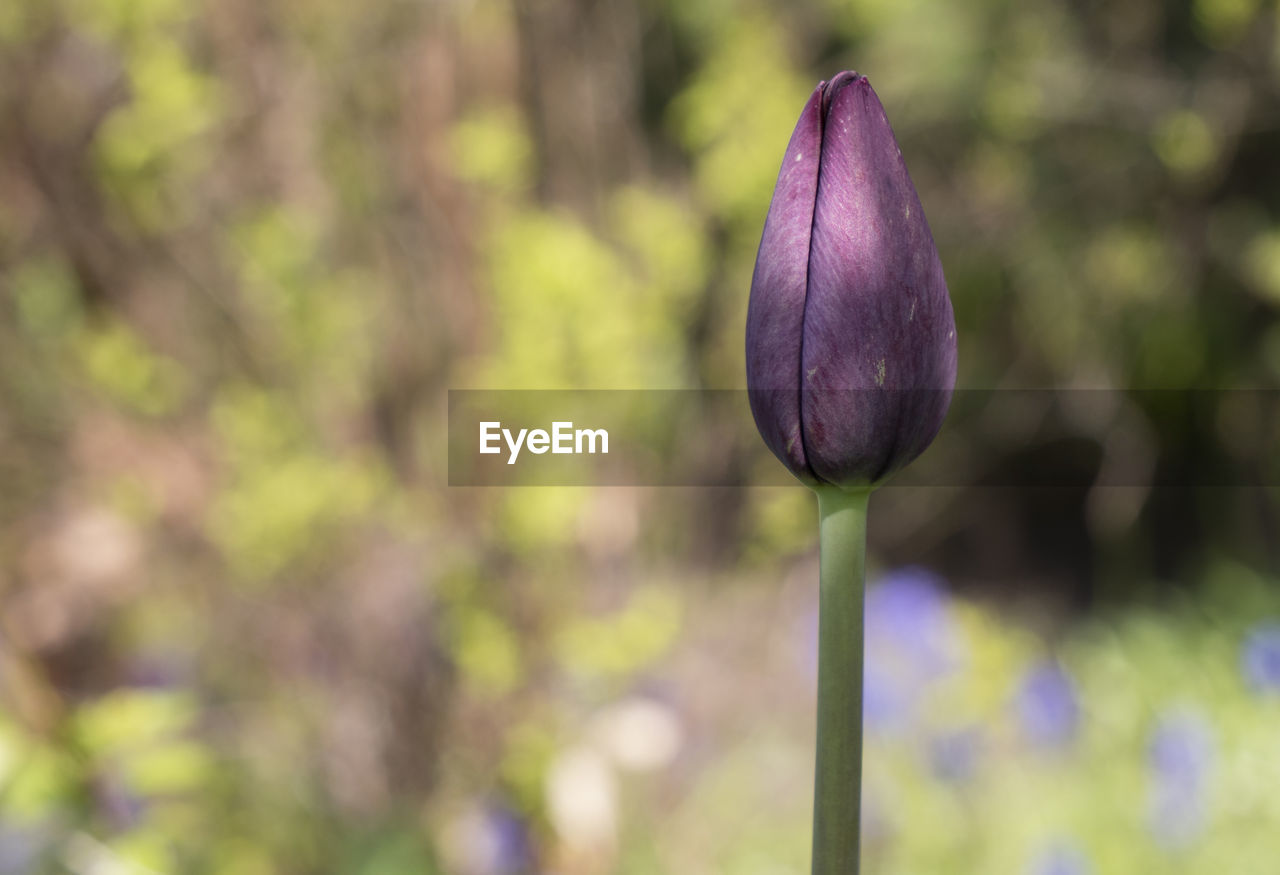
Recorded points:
245,626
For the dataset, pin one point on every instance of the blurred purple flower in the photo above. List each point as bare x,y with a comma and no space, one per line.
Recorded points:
1047,705
491,840
953,755
907,615
1260,658
883,703
22,844
1061,859
912,640
117,804
1181,748
512,853
1180,755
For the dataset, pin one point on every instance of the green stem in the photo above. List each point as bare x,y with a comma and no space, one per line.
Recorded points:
837,795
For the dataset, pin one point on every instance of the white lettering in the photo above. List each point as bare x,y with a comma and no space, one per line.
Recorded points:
514,446
591,435
488,434
560,437
539,441
541,438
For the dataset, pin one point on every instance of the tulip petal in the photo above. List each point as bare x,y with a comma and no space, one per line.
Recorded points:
878,354
775,314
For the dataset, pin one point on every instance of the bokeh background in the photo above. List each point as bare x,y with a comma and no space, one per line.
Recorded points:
245,627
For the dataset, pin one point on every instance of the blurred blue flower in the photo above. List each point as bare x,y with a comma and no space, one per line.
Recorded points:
1180,755
883,704
953,755
491,840
1181,748
512,853
22,844
912,640
907,612
1047,705
117,804
1061,859
1260,658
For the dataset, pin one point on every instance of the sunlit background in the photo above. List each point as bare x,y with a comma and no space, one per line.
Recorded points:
245,628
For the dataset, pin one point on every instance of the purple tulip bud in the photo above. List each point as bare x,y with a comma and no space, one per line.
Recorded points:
851,346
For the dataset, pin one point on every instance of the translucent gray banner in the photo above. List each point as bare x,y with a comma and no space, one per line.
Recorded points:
1073,438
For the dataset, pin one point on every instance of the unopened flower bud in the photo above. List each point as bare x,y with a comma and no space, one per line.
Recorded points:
851,343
